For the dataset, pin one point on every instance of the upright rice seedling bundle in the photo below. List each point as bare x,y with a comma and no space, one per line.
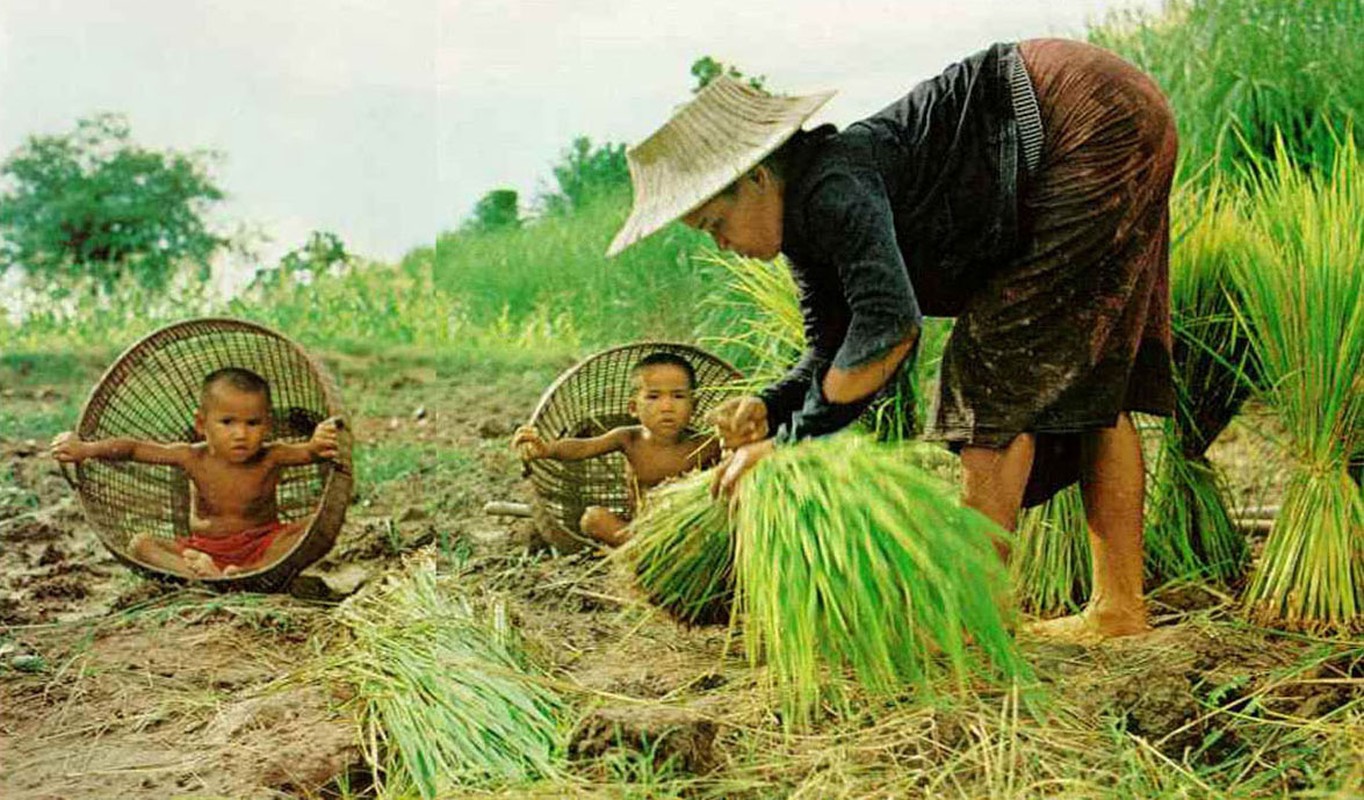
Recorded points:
682,550
1189,531
1050,562
762,303
850,558
448,698
1303,300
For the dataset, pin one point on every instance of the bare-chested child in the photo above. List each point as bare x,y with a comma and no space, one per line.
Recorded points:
659,447
233,472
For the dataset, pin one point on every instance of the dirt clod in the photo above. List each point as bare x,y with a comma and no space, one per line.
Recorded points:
662,734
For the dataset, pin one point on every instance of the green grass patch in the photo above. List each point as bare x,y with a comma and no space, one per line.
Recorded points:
379,464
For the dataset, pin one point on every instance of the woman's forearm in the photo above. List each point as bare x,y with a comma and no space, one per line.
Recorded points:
849,385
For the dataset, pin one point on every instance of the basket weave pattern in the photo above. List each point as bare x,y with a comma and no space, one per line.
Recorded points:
590,399
152,392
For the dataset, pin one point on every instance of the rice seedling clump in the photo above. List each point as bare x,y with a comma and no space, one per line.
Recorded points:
1302,298
448,698
851,559
1189,531
682,551
1050,563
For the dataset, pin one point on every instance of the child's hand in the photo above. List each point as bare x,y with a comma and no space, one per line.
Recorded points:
68,448
324,442
528,443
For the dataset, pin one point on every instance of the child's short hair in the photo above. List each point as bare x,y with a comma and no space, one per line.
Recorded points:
243,380
660,358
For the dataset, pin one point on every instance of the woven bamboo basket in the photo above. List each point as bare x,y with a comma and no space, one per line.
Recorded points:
589,399
152,391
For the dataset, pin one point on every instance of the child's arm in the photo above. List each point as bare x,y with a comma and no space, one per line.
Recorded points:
69,449
321,447
527,440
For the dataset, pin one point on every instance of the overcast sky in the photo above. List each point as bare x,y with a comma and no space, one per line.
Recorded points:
385,120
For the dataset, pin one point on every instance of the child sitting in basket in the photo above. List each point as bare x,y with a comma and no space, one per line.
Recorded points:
658,448
233,473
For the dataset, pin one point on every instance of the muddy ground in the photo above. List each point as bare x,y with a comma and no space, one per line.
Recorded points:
112,685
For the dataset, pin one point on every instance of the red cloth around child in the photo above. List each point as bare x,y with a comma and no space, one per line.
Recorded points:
236,549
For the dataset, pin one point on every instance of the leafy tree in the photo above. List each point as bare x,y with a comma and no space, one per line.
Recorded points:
324,252
92,202
497,209
585,173
706,69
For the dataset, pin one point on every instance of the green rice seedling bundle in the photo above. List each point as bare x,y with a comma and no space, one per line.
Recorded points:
852,563
682,550
761,302
1189,532
448,698
1302,297
1050,561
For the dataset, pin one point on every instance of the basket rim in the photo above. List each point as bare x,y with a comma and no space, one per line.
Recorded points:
568,374
330,486
571,372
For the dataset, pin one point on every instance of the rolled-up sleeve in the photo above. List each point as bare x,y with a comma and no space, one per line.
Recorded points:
851,226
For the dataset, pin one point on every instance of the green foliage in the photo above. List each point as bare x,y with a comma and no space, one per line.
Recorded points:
496,210
552,280
92,202
1301,295
586,175
706,69
850,558
682,550
324,253
1240,72
447,697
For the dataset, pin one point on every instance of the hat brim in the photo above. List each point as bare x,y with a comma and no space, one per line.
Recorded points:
714,140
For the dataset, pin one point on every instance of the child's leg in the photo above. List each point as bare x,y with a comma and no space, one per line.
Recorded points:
155,551
604,526
280,546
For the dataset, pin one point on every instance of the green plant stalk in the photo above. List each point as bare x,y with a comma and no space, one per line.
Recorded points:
1050,563
447,698
1190,535
849,558
1302,298
682,551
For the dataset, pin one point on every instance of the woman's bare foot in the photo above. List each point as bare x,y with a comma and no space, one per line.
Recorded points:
200,564
232,569
1091,626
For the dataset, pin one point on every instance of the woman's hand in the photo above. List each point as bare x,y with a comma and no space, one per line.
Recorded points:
734,465
740,420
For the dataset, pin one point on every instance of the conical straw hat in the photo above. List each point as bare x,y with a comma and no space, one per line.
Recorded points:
726,130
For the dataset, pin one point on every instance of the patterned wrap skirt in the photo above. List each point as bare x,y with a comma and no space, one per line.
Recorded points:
1075,329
